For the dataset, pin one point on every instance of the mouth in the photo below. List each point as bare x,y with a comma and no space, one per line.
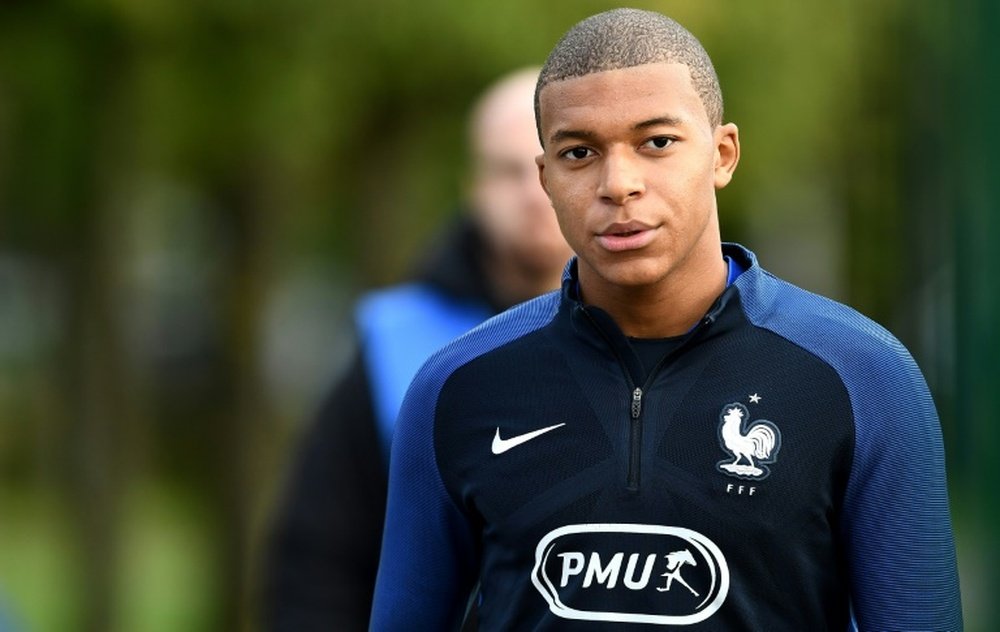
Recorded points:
626,236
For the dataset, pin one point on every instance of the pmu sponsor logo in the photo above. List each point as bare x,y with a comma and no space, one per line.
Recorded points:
630,573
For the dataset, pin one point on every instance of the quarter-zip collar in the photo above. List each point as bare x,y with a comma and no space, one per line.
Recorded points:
587,319
740,261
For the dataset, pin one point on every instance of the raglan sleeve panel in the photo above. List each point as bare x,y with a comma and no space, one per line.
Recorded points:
428,560
896,524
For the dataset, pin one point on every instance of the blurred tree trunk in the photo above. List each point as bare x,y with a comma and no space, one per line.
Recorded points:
242,411
974,163
95,391
76,224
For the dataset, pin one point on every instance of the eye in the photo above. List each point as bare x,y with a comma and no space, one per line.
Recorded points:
577,153
659,142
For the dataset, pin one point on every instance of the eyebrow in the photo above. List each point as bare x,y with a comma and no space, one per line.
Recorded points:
671,121
587,136
574,134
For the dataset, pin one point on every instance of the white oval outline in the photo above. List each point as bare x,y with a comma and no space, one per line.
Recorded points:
705,546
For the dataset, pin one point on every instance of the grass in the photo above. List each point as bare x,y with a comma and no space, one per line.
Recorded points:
164,579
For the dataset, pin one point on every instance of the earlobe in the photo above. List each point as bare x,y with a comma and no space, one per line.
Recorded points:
727,153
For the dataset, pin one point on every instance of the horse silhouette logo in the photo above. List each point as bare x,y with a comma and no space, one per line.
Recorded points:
675,564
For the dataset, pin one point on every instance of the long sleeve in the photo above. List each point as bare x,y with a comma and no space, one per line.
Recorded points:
429,556
896,522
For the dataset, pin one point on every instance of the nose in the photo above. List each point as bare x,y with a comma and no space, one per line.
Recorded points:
621,177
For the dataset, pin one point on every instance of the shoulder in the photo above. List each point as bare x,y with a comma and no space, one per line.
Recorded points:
889,397
891,405
857,347
498,331
415,426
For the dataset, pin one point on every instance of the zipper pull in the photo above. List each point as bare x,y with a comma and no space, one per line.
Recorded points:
636,402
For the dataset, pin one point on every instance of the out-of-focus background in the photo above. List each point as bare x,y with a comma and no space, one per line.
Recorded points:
191,193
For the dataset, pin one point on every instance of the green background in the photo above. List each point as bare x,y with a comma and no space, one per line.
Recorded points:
191,193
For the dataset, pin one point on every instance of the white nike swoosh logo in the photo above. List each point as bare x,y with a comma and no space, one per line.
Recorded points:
502,445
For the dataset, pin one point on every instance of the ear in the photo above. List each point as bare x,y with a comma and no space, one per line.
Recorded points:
727,153
540,161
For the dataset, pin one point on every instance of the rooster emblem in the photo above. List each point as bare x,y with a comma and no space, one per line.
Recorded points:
751,447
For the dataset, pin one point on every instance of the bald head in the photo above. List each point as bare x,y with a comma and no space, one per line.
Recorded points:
624,38
504,103
505,197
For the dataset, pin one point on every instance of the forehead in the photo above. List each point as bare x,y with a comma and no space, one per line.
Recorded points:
625,96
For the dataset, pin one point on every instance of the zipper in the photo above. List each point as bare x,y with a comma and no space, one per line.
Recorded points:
635,416
635,440
635,410
634,422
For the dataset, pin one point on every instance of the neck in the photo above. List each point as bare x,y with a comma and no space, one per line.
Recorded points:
668,308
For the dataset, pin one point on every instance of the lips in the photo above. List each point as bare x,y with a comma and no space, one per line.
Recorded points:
624,236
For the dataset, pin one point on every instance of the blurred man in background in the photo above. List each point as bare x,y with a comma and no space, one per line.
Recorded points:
322,552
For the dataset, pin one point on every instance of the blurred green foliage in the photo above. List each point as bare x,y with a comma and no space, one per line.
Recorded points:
191,192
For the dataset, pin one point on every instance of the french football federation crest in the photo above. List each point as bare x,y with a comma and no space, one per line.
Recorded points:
752,444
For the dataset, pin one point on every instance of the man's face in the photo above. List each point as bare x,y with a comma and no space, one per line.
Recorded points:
631,165
514,211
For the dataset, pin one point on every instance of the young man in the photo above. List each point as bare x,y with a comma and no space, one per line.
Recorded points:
324,545
677,437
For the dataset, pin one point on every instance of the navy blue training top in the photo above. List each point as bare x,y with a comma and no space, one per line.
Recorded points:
780,469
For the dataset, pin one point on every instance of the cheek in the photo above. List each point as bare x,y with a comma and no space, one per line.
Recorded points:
571,206
566,192
691,188
572,226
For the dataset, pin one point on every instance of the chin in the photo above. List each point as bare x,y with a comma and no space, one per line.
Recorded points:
637,272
